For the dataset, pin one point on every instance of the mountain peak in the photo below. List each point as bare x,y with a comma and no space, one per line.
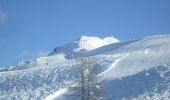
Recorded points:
87,43
84,44
109,39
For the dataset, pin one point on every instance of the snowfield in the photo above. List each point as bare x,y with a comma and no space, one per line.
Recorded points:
56,94
137,69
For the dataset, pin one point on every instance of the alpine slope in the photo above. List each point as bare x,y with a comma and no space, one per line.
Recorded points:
136,69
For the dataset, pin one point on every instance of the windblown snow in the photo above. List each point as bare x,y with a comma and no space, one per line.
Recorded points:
132,69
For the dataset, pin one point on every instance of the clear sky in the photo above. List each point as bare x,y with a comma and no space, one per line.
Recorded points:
30,28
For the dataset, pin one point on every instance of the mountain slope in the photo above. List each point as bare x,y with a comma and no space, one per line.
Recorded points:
131,69
78,48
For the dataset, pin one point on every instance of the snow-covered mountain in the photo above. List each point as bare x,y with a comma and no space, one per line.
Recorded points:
82,45
132,69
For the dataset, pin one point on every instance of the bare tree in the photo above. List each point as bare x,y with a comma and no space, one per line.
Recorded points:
88,86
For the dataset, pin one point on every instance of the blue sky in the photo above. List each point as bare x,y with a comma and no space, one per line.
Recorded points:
30,28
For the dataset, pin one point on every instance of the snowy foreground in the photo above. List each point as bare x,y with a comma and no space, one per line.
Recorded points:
133,70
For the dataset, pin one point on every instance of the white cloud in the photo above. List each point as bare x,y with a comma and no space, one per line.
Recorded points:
3,16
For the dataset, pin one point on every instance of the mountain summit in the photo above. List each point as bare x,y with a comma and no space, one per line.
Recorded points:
83,45
86,43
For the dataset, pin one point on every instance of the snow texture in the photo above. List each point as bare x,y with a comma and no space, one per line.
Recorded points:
132,69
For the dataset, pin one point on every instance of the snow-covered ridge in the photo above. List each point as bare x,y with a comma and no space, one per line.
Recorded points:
83,44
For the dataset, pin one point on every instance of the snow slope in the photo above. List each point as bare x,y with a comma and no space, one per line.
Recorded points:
145,54
47,61
131,69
